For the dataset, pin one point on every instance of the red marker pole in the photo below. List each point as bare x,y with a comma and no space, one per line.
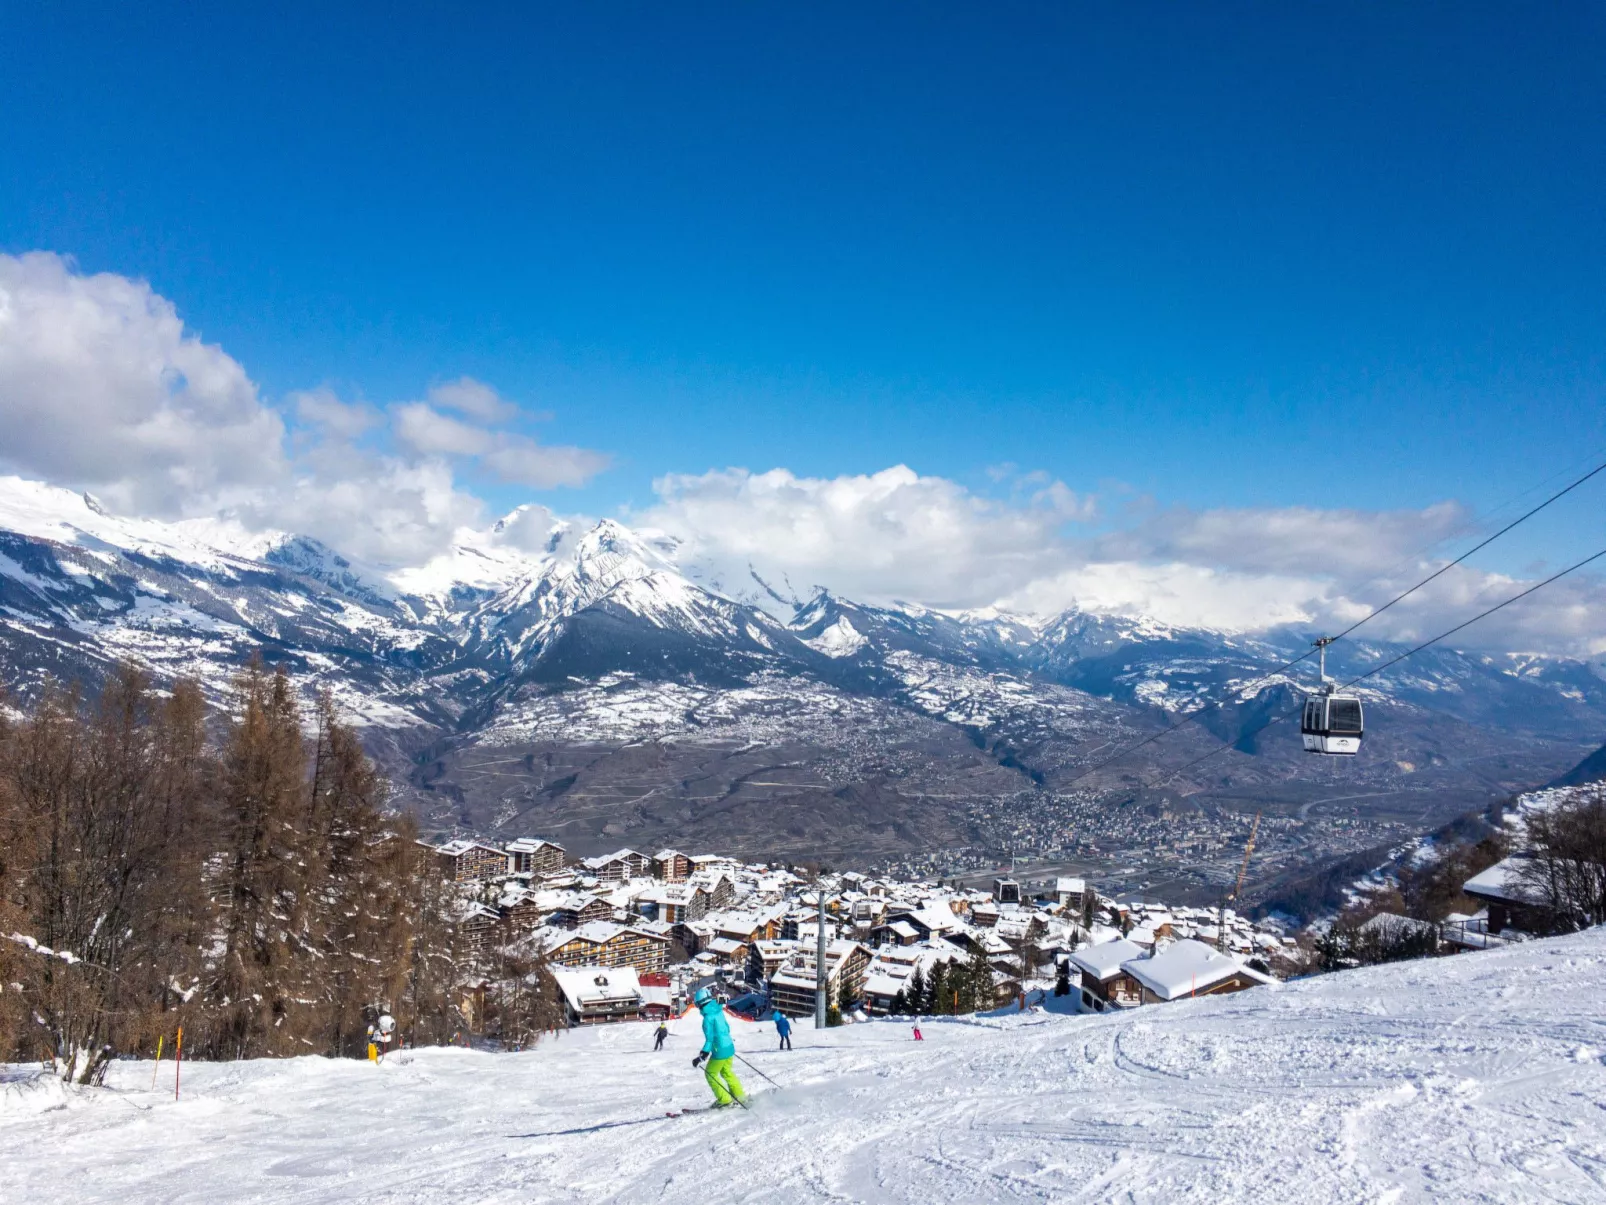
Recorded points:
178,1061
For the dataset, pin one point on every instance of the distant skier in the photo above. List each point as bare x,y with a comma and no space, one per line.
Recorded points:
784,1028
718,1050
659,1036
918,1038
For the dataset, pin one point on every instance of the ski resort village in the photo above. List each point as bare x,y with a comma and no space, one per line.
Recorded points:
633,936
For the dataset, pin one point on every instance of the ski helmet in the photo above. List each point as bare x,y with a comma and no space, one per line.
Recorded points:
702,997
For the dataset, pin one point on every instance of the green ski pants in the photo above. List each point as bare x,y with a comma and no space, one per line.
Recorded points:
722,1079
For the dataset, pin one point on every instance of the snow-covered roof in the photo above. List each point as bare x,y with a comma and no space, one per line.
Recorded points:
461,846
524,845
1104,961
591,986
1392,925
1070,886
1502,881
1181,968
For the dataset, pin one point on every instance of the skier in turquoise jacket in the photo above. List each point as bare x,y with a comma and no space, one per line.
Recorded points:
718,1051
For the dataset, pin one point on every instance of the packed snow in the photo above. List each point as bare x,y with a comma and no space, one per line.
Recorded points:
1473,1078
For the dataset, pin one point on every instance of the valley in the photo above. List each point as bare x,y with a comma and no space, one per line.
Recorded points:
592,691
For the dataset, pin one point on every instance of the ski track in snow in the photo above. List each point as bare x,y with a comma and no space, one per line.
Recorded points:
1474,1078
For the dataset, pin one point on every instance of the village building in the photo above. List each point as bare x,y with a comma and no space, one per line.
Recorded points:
1189,968
1511,901
594,995
580,909
531,855
1103,981
657,996
618,866
764,958
792,987
608,945
465,861
671,866
1071,894
480,929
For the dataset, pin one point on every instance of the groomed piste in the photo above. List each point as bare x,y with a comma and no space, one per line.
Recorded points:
1472,1078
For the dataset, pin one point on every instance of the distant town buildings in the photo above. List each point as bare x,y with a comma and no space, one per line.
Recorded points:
628,935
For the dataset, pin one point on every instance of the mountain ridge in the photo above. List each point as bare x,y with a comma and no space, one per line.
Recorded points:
600,637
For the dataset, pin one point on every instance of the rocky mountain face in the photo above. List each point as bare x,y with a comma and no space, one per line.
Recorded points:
593,691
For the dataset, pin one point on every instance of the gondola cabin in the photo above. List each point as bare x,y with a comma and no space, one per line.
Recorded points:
1332,723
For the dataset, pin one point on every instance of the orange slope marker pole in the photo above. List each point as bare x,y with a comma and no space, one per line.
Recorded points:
178,1061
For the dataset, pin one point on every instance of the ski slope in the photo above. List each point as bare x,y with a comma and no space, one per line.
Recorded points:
1475,1078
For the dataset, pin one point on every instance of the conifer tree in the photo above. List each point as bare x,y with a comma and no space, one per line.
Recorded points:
916,993
939,991
979,980
260,982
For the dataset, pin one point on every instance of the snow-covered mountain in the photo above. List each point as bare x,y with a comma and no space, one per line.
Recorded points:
603,635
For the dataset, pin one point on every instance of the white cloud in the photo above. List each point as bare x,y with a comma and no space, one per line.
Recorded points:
102,387
511,457
473,398
879,536
432,433
522,461
342,420
897,535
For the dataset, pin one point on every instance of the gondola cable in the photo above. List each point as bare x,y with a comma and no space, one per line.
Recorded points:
1192,716
1278,719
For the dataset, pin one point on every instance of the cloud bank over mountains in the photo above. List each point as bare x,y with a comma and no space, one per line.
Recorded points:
102,388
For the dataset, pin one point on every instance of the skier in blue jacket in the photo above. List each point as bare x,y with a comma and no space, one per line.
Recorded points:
718,1051
784,1028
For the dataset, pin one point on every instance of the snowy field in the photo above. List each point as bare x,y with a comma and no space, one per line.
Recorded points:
1476,1078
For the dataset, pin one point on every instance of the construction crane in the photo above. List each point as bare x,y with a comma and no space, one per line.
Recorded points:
1243,869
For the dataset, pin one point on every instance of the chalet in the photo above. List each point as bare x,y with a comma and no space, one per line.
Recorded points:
530,855
657,999
594,995
1512,901
899,932
471,861
1071,894
1189,968
581,910
719,886
729,951
1104,982
764,958
522,913
792,987
674,903
889,971
618,866
480,929
671,866
745,927
603,944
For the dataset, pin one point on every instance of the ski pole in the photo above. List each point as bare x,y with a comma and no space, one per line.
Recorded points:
750,1067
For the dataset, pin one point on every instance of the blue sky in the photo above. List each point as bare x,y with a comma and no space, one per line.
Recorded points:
1249,256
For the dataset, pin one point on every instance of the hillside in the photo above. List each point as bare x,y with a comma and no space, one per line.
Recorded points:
593,684
1474,1078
